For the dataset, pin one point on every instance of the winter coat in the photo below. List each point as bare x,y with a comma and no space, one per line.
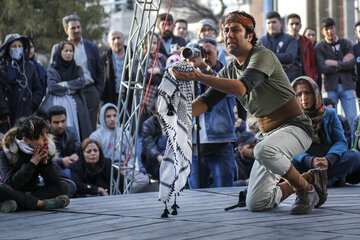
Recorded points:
335,139
88,179
75,85
17,170
22,96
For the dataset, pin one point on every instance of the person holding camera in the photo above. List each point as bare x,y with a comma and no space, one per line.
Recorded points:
258,80
214,164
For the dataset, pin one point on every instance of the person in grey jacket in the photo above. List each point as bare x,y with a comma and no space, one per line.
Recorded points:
281,44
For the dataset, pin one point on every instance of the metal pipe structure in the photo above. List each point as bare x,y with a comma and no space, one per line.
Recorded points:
131,94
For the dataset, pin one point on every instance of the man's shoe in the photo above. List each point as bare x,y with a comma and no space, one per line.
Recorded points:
320,182
305,201
8,206
58,202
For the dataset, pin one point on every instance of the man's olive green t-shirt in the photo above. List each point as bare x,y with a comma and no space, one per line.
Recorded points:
270,94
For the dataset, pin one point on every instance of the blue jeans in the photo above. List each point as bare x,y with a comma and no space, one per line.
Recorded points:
349,163
220,166
348,103
138,153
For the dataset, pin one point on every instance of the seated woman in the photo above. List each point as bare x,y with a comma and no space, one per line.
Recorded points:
65,83
329,149
91,173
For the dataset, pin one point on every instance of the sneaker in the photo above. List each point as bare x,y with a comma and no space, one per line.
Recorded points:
305,201
58,202
8,206
320,182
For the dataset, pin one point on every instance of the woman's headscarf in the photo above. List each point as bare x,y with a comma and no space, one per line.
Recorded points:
68,70
317,112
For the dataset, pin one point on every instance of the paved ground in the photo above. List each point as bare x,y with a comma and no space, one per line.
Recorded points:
201,216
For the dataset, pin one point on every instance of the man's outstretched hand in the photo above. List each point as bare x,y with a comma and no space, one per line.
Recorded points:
186,76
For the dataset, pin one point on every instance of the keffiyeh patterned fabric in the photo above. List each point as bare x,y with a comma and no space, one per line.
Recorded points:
174,109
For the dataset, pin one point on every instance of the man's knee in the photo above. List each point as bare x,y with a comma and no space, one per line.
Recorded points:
257,204
264,151
260,201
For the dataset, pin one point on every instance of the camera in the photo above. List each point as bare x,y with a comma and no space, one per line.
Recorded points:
191,52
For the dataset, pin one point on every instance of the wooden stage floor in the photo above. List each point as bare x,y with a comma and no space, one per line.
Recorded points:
201,216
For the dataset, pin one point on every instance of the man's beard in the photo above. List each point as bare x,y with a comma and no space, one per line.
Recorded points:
167,35
248,158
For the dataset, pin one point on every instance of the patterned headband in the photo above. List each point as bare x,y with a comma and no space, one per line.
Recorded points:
239,19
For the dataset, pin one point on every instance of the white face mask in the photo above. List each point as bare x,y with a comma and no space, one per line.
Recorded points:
17,53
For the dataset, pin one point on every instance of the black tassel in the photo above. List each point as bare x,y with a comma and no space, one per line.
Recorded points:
171,110
174,208
165,213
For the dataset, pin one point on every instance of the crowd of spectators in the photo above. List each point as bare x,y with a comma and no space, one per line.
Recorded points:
78,93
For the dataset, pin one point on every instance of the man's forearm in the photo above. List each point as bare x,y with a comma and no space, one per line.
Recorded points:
198,107
231,86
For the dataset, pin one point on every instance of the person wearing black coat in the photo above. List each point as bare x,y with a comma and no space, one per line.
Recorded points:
20,88
153,146
27,153
92,171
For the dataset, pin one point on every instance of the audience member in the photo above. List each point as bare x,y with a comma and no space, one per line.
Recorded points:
310,33
344,123
105,135
356,126
207,29
65,88
20,88
40,69
92,171
335,61
244,158
170,44
113,63
214,163
356,49
240,124
86,56
280,43
158,72
329,149
181,28
27,153
67,145
153,145
304,63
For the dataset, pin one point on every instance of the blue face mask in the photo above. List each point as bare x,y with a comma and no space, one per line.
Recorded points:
17,53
